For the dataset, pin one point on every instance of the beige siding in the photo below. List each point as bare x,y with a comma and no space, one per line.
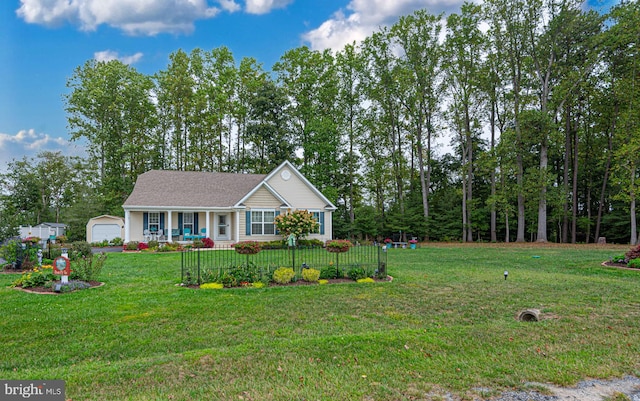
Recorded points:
296,192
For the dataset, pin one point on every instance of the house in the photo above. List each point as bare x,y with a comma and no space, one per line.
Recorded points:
44,231
105,227
226,207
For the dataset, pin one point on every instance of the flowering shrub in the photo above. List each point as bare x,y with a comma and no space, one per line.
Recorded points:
38,277
131,246
299,223
387,240
143,245
247,247
207,243
31,240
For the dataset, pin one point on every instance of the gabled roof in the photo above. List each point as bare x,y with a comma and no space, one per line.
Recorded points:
164,188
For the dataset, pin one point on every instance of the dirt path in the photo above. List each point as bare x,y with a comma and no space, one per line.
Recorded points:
588,390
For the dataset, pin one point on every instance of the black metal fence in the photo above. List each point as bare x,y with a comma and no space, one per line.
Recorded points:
204,265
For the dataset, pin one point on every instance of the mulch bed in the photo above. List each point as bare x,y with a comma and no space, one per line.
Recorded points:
619,266
302,282
45,290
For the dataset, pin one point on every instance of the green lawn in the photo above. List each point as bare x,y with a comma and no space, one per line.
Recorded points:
445,324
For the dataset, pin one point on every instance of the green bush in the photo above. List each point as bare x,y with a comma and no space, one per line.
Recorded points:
131,246
634,263
36,278
153,244
8,252
328,272
88,268
311,275
117,241
356,273
283,275
228,280
80,249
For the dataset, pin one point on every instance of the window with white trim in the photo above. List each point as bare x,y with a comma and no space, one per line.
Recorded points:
154,221
262,222
187,222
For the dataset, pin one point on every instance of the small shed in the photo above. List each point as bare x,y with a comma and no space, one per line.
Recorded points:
44,231
105,227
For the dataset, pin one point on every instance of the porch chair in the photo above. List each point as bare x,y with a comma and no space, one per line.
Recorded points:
187,234
147,235
203,233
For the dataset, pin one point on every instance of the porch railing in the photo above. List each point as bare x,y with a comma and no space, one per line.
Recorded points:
197,264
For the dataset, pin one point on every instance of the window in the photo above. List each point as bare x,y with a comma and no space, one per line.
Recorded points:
187,222
319,217
154,221
262,222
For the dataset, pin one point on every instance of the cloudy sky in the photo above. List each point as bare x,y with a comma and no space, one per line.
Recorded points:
43,41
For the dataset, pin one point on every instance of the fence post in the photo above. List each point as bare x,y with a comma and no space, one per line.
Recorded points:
199,267
182,266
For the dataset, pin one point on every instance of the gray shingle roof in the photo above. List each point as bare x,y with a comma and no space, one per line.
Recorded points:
191,188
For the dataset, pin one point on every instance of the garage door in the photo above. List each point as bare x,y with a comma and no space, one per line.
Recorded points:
101,232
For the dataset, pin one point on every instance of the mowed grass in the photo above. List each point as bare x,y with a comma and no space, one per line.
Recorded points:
446,323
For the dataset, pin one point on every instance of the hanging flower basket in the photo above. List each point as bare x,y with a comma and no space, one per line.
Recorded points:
247,247
338,245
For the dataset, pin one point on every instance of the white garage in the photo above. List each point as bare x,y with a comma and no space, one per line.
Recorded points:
105,227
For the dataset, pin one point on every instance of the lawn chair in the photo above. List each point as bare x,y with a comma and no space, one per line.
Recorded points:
187,234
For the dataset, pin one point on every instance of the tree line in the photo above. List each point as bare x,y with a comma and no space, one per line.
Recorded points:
537,101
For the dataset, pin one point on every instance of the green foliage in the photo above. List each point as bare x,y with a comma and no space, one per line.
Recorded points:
634,263
79,250
117,241
356,273
88,268
283,275
131,246
9,251
311,275
300,223
328,272
247,247
153,244
36,278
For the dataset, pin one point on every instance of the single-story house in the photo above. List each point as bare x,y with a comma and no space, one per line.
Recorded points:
226,207
105,227
44,231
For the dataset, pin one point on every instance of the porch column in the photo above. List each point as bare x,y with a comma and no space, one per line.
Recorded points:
208,233
169,226
237,230
127,217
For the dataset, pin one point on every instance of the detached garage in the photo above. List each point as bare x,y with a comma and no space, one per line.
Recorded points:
105,227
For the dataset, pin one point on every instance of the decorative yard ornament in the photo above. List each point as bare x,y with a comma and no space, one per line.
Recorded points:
506,273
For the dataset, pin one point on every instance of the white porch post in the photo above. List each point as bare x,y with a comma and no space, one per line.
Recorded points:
127,218
237,230
208,233
169,226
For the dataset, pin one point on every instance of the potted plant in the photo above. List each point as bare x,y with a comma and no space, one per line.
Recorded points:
338,245
413,243
247,247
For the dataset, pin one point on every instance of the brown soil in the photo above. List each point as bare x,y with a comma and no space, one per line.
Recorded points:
45,290
302,282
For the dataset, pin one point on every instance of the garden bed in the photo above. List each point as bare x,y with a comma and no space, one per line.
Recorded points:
50,290
302,282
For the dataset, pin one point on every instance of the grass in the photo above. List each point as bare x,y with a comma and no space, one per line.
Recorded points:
445,324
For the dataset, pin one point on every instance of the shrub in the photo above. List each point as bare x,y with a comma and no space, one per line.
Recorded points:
207,243
322,281
228,280
310,242
88,268
258,284
366,280
634,263
211,286
153,244
131,246
79,249
283,275
356,273
619,259
36,278
61,239
197,243
299,223
142,246
9,251
311,275
117,241
328,272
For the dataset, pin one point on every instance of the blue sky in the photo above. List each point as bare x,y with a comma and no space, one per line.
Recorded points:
43,41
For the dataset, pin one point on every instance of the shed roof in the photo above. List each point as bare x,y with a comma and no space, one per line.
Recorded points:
168,188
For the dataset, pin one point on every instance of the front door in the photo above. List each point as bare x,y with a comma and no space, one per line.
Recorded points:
222,229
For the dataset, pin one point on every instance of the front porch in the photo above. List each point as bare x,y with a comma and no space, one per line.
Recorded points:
183,226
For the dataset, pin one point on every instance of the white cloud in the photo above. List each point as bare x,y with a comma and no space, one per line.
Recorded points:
229,5
265,6
29,143
134,17
367,16
108,55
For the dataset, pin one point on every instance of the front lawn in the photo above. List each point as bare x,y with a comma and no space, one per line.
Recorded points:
446,323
